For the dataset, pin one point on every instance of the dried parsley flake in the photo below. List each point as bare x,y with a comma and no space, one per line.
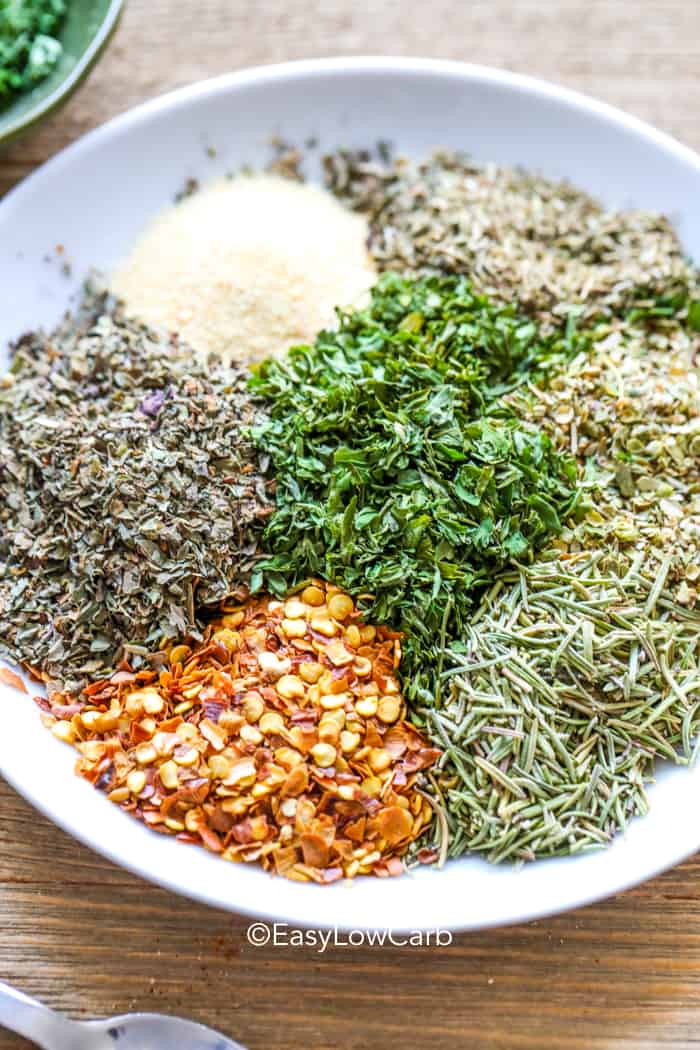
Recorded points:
399,473
29,50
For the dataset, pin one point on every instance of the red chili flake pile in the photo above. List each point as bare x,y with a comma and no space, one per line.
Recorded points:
281,739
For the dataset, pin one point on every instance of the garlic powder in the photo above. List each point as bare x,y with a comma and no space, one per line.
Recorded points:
247,267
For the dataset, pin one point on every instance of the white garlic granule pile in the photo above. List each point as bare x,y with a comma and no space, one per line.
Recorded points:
249,266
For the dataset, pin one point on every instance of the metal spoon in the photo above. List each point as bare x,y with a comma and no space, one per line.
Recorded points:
52,1031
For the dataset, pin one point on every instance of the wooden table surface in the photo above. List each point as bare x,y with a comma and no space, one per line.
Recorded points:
92,940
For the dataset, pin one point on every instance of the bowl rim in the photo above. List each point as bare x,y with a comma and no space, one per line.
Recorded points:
302,915
312,67
71,82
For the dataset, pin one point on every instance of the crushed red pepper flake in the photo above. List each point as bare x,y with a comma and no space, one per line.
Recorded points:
9,677
281,739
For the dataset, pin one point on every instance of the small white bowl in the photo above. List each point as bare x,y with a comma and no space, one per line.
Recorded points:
94,198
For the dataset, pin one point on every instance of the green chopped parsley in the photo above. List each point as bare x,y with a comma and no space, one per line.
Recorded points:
29,50
400,471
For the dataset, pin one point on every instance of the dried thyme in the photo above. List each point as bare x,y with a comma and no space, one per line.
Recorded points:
518,236
129,493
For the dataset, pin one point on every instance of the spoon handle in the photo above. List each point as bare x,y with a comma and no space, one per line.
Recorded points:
29,1018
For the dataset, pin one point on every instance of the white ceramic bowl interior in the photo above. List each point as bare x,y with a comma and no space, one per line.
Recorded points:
95,197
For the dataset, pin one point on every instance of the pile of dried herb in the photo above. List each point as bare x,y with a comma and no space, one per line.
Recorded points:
400,473
518,236
581,669
130,493
630,413
577,672
29,50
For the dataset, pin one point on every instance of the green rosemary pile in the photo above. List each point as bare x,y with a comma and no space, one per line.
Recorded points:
576,674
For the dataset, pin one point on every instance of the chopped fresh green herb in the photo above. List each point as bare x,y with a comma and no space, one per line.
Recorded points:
400,472
28,48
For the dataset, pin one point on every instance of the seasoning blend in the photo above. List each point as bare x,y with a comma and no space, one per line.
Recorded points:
248,267
497,452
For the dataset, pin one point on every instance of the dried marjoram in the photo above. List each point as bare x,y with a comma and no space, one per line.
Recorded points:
129,493
280,739
517,236
630,413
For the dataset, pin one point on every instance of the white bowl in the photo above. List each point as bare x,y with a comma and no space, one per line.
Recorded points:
94,198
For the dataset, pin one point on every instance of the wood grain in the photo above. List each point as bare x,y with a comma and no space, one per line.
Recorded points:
92,940
644,57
